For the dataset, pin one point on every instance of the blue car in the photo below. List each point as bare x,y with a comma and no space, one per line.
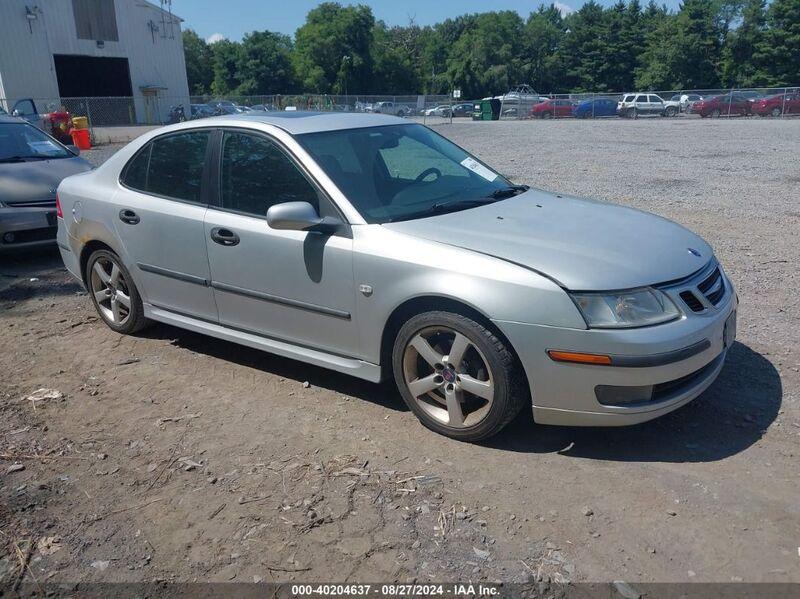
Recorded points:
595,107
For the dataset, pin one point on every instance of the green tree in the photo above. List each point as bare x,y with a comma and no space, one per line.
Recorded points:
396,56
683,51
544,34
264,64
739,54
779,51
199,68
486,58
225,58
331,33
585,51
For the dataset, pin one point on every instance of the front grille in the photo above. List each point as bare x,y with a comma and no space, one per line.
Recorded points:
33,204
713,287
695,305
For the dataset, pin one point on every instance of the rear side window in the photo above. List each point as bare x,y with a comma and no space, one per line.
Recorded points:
170,166
641,98
628,99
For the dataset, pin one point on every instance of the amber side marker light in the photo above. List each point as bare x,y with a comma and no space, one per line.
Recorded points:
578,358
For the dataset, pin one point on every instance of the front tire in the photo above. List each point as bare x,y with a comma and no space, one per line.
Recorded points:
113,293
776,112
457,376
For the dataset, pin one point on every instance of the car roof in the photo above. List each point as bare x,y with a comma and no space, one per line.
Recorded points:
299,122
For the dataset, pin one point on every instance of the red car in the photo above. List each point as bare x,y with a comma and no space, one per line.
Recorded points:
552,108
788,103
727,104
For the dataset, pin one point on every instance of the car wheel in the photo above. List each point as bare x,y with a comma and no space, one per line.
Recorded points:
457,376
113,293
547,115
716,113
401,113
671,111
776,112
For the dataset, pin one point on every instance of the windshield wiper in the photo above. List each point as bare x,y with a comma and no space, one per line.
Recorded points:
507,192
444,207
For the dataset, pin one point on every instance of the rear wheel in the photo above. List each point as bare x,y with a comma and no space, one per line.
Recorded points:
776,112
547,115
457,376
716,113
113,293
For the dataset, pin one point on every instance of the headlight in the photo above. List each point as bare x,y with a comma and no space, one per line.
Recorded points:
625,309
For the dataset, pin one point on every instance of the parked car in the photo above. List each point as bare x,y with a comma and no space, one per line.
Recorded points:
32,164
672,106
264,107
787,103
688,100
409,259
463,109
595,108
635,105
201,111
552,108
389,108
726,104
443,110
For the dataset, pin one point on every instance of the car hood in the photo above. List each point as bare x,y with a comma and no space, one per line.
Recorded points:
584,245
37,179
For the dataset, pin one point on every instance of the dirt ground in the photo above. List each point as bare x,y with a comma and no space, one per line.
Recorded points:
171,456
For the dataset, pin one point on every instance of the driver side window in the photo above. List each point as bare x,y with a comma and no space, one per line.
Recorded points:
410,158
257,174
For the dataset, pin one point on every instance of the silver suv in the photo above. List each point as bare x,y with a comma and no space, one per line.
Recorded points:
635,105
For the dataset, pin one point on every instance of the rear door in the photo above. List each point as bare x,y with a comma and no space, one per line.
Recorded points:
159,218
295,286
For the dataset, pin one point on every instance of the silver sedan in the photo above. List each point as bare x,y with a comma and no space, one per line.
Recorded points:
376,247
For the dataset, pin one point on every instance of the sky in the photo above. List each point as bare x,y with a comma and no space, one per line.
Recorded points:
213,19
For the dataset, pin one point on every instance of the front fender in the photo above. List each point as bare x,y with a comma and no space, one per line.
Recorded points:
398,268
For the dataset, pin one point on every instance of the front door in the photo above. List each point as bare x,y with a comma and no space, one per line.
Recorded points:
159,216
293,286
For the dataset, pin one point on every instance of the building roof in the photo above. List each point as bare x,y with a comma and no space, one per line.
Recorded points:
299,122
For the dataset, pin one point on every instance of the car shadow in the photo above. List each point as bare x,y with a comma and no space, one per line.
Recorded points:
383,394
726,419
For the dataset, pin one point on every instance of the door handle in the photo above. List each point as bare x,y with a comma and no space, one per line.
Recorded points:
224,236
129,217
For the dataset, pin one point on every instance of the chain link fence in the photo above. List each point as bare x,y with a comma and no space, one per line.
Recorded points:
108,113
764,102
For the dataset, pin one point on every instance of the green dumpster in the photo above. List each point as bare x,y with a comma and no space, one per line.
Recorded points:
487,110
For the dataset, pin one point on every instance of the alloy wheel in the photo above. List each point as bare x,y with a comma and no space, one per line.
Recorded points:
111,291
448,377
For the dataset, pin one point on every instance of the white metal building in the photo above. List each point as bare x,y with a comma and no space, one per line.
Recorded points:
127,52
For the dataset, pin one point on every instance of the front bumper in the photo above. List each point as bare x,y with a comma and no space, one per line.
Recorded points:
27,228
570,394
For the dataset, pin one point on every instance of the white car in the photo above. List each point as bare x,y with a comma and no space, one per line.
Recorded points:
442,110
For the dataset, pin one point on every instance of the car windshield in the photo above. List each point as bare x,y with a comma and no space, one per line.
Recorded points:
20,142
401,172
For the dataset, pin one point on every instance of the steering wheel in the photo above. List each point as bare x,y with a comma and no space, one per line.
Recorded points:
428,171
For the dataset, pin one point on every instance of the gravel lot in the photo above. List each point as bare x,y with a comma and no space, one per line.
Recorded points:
171,456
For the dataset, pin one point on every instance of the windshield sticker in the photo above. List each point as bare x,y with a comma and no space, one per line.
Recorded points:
477,168
44,147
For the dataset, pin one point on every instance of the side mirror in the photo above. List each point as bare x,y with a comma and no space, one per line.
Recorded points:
74,149
299,216
16,113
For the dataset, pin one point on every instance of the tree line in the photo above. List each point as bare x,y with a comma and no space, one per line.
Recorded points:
344,49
